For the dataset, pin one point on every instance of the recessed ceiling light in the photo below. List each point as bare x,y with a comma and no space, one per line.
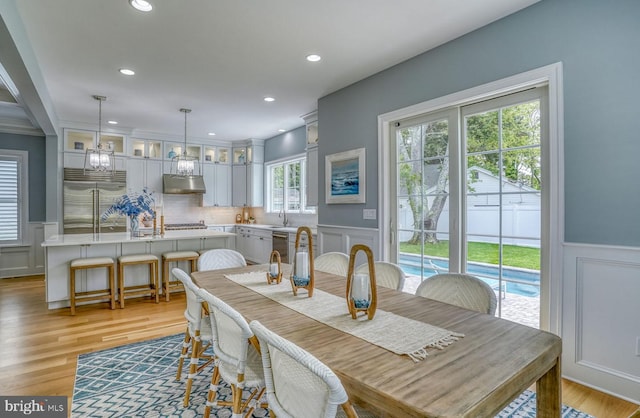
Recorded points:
142,5
269,99
282,130
212,134
126,71
314,58
112,122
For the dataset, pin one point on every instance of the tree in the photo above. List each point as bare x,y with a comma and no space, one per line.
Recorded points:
504,141
423,153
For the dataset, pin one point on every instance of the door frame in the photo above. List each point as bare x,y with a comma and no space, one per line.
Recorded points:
552,233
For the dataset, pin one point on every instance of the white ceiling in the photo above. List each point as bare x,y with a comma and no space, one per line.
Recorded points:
221,58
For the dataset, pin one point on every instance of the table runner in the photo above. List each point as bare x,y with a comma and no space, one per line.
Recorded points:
392,332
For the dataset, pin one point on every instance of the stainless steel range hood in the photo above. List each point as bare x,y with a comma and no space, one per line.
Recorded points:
172,184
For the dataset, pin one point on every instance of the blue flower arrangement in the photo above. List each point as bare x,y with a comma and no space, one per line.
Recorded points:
132,205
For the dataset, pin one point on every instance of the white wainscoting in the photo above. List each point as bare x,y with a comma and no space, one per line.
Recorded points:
601,318
27,259
342,238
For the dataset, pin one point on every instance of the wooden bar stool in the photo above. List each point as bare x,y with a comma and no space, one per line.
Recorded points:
136,259
101,294
174,257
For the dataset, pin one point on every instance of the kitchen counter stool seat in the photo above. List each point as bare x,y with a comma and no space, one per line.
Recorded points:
174,257
91,263
138,290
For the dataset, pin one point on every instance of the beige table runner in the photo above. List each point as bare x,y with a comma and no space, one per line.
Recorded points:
395,333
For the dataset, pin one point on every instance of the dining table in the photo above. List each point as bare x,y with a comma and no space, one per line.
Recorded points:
477,375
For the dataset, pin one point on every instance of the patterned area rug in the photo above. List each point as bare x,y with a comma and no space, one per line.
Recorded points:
138,380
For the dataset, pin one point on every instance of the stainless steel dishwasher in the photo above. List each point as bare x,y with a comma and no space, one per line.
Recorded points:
280,243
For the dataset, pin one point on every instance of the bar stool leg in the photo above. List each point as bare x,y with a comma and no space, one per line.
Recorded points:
121,284
166,278
112,288
155,285
72,289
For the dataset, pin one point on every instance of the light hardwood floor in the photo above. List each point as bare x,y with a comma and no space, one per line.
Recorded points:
39,347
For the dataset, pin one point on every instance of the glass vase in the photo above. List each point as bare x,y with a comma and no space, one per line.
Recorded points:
134,224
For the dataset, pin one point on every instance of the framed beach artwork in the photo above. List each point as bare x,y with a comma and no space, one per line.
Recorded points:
344,173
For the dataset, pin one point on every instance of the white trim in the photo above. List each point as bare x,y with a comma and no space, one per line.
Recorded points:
552,234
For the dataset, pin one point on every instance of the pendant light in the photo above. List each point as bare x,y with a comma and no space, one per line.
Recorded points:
99,159
184,165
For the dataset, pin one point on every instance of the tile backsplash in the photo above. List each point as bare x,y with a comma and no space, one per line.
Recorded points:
187,208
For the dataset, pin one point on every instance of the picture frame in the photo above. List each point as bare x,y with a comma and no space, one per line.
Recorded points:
345,177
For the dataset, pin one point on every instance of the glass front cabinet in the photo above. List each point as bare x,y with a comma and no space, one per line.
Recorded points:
77,142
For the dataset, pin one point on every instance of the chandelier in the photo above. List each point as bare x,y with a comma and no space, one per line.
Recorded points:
98,158
182,164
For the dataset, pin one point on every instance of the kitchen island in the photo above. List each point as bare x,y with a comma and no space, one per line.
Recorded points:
60,249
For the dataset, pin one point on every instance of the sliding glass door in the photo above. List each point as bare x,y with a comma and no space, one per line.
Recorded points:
469,197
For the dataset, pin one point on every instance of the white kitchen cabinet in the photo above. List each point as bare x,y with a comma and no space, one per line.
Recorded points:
242,240
217,180
76,143
144,172
79,141
248,175
254,243
312,175
145,148
311,122
247,185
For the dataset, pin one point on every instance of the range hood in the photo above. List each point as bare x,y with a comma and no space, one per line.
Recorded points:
173,184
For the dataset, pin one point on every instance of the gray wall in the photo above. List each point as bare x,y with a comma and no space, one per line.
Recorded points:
598,44
287,144
35,146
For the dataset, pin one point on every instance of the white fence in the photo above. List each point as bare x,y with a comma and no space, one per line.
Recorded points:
520,224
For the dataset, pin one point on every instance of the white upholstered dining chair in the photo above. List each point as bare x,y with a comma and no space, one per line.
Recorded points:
298,384
197,336
388,275
238,360
220,258
332,262
459,289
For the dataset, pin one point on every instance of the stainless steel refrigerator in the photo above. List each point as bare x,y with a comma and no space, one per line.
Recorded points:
87,196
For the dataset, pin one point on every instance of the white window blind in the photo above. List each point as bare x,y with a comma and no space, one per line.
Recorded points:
10,193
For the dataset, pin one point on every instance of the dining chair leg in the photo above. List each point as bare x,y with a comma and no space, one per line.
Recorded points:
184,353
237,399
213,391
349,410
193,367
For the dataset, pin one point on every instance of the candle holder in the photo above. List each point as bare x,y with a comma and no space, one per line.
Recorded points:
274,275
302,272
362,294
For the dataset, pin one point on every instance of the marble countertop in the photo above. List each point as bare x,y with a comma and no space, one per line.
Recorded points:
120,237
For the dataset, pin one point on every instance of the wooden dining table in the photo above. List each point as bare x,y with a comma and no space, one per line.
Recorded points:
476,376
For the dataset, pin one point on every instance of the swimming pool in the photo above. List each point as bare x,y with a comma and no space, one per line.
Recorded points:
517,281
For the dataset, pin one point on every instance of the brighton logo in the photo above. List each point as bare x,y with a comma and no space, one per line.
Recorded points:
33,406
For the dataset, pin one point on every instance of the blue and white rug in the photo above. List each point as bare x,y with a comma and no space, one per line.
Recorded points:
138,380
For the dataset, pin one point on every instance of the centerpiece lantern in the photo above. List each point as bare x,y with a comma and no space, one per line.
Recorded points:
274,275
302,272
362,294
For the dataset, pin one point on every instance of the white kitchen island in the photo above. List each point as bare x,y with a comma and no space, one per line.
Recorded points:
60,249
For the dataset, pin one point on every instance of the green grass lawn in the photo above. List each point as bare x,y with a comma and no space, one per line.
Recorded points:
512,255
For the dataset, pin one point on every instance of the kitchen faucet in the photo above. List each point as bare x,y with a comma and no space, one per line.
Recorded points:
283,215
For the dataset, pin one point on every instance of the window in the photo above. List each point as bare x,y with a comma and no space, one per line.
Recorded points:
13,207
286,190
